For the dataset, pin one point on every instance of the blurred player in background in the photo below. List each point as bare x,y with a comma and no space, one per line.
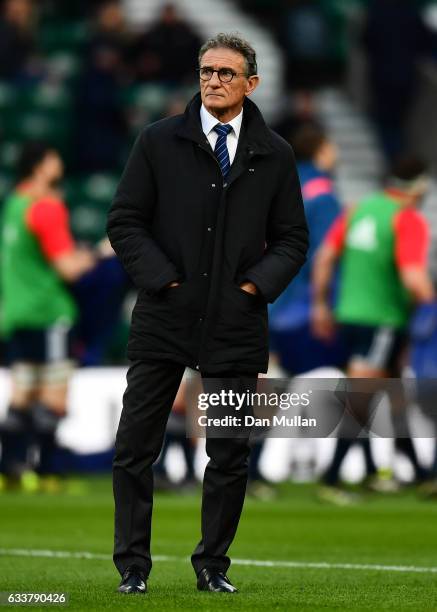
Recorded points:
293,345
38,258
291,338
382,245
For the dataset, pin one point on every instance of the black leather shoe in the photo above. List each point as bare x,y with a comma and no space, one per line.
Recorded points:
134,580
217,582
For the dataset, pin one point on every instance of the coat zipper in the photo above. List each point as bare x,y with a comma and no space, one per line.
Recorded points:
211,154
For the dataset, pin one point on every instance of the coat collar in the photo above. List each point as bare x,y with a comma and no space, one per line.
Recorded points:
254,129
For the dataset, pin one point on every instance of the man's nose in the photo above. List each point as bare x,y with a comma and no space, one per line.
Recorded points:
215,81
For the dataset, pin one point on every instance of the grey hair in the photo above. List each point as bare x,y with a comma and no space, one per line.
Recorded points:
236,43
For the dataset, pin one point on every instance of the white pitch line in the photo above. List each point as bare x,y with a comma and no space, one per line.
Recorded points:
347,566
65,554
23,552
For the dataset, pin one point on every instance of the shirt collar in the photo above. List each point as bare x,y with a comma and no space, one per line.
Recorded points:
209,121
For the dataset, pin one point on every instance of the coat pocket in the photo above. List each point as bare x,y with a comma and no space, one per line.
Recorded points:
165,322
184,297
240,333
251,299
239,308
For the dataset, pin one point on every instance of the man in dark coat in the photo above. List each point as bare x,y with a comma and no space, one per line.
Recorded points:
209,223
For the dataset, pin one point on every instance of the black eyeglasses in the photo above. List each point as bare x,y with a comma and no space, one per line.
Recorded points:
225,75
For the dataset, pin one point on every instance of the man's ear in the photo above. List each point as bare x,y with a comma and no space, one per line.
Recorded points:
252,84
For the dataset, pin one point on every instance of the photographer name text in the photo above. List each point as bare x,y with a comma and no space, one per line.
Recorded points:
251,421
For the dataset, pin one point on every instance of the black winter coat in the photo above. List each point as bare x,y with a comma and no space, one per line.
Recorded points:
173,218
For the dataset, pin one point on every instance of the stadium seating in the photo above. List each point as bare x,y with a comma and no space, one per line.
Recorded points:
88,199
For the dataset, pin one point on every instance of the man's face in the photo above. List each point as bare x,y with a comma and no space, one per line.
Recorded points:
18,12
326,156
110,17
218,97
52,168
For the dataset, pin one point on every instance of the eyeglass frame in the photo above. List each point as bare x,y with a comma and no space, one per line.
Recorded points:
234,74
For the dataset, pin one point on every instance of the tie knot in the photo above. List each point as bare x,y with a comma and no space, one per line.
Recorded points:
223,129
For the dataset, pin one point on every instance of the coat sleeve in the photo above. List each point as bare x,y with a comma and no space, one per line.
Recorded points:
286,237
130,221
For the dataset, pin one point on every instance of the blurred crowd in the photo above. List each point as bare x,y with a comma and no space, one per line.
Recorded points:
99,64
76,84
105,79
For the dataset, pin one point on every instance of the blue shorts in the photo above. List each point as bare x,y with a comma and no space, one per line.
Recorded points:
40,346
299,351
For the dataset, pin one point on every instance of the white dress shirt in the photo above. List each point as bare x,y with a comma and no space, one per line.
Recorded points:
208,124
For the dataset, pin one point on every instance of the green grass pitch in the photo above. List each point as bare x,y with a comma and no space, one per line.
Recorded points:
399,530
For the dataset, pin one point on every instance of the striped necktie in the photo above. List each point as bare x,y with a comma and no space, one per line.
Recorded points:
221,148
